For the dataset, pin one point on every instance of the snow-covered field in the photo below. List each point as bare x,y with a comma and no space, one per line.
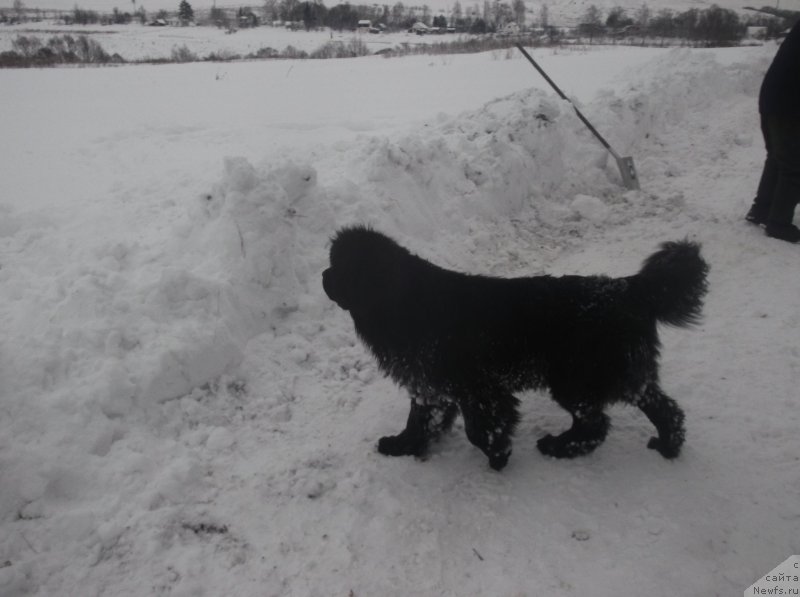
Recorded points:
184,412
136,42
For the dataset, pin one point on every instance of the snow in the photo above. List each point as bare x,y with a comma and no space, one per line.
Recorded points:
184,412
136,42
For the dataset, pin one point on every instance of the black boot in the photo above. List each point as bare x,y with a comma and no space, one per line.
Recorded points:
758,214
788,232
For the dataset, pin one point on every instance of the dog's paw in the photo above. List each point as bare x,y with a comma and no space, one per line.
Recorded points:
668,451
550,446
399,445
499,461
557,446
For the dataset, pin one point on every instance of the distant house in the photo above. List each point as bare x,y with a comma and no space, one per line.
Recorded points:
509,29
364,25
755,32
419,28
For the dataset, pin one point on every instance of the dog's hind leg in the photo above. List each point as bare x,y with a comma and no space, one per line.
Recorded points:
489,420
427,420
667,417
589,429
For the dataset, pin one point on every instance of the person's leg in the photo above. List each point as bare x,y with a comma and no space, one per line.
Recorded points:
784,132
759,211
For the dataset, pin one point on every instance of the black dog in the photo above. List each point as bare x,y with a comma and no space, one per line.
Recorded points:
465,343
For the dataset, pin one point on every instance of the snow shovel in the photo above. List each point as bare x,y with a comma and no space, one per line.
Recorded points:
625,164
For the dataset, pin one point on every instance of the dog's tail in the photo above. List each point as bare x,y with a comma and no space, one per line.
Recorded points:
673,280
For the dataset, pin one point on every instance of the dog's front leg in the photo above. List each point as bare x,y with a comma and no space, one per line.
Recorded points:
428,418
489,420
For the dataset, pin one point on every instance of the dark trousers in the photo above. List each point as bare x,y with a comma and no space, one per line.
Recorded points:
779,188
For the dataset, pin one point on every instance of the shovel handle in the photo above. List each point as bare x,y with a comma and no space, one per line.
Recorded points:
563,96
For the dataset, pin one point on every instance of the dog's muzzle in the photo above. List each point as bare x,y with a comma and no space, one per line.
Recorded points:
326,283
333,288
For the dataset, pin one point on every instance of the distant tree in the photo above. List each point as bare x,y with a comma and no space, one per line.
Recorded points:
426,15
643,16
554,35
185,12
501,14
719,26
270,11
686,23
544,16
663,24
183,54
592,23
26,46
85,17
311,13
341,17
89,50
617,19
518,7
397,15
440,21
246,18
120,18
479,26
219,18
19,8
382,13
286,8
456,14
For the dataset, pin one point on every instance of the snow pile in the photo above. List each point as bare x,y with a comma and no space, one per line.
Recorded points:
488,164
127,325
661,93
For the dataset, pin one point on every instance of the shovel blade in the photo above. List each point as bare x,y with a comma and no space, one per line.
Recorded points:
629,177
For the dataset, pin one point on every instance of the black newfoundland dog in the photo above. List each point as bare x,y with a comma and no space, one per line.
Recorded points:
465,343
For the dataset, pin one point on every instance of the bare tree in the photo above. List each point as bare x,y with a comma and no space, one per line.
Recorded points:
270,11
643,16
457,14
617,18
518,6
592,24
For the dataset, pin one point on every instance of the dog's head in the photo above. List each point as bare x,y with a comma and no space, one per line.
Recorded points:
365,269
